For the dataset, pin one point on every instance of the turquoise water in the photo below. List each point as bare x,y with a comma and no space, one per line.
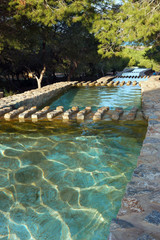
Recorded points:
125,96
65,181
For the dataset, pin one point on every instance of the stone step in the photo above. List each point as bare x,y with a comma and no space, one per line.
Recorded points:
14,113
116,83
82,114
117,113
68,114
132,114
122,83
100,112
5,110
40,113
27,113
128,83
54,113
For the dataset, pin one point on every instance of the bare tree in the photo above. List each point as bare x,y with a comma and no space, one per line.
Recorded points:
39,80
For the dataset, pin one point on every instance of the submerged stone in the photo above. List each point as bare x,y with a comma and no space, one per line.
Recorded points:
69,195
34,158
28,195
3,225
11,163
19,231
45,226
5,202
17,215
28,175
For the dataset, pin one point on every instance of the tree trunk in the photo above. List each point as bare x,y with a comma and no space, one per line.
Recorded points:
39,80
72,70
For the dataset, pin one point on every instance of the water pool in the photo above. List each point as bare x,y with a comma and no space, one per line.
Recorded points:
65,181
126,97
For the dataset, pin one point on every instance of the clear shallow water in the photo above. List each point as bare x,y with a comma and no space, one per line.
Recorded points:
125,96
63,182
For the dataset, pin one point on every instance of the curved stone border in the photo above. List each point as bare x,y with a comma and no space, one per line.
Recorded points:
139,216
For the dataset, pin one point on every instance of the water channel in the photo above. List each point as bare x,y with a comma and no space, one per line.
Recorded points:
65,181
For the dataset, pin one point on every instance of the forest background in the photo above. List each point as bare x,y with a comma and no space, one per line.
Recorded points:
83,39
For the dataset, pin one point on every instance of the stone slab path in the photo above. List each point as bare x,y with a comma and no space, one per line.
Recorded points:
139,216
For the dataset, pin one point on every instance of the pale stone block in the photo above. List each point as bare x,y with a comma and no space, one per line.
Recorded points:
122,83
14,113
110,84
100,112
116,83
55,113
128,83
27,113
116,115
82,114
5,110
68,114
40,113
134,83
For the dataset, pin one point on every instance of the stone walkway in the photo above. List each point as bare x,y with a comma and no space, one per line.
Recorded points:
139,216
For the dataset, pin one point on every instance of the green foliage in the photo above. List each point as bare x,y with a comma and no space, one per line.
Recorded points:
138,57
106,27
140,21
8,93
77,37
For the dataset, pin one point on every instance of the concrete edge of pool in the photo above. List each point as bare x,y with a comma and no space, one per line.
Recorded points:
139,215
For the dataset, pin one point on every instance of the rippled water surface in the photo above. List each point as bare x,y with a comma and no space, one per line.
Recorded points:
125,96
63,182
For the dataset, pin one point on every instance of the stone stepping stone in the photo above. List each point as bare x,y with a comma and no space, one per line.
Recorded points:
54,113
86,83
132,114
27,113
110,84
80,84
128,83
40,113
134,83
68,114
117,113
14,113
116,83
98,84
74,84
92,84
100,112
82,114
5,110
122,83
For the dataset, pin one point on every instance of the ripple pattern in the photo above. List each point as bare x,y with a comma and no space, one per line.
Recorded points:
64,182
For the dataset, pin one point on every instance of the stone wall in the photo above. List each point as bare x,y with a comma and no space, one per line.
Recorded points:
139,216
36,97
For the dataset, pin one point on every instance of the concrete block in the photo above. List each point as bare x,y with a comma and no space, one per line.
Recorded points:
5,110
27,113
40,113
82,114
14,113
